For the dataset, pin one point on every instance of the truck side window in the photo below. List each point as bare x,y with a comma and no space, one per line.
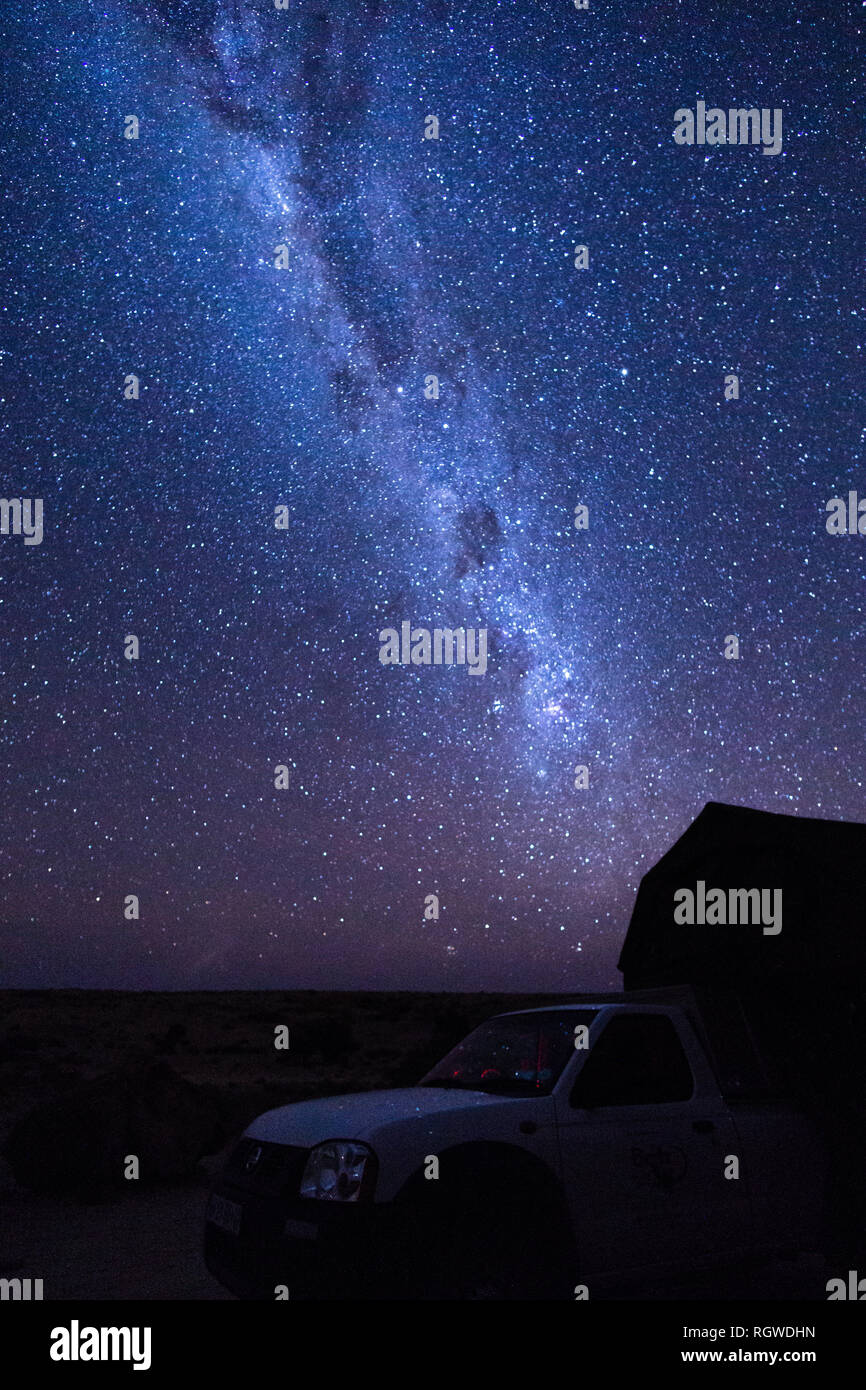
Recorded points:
638,1060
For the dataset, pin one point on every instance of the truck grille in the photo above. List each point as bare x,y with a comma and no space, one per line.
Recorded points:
273,1170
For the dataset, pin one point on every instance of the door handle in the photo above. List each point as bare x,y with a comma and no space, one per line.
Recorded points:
703,1126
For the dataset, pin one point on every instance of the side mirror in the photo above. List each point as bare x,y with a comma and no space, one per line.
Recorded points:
588,1092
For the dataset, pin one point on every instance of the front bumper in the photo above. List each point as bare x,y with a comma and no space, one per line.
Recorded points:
318,1250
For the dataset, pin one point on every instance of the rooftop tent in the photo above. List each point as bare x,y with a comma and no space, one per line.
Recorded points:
783,1014
819,865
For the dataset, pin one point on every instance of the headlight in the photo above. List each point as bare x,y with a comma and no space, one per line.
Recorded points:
338,1171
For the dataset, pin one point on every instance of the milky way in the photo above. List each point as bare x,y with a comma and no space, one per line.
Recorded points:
304,387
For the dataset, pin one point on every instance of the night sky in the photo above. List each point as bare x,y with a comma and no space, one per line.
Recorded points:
303,387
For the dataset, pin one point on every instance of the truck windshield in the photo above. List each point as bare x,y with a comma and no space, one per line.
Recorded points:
516,1054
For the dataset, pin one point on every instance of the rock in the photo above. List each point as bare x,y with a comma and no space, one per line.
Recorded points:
212,1165
80,1141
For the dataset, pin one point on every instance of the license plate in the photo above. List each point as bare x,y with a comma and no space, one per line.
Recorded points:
225,1214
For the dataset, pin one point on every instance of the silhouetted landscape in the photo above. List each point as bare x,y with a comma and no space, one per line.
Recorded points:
89,1076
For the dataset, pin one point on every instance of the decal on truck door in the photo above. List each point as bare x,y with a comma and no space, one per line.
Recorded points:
661,1166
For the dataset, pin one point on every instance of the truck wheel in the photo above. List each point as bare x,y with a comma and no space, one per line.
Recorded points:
507,1246
508,1252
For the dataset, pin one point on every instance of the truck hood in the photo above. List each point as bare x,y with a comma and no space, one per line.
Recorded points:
310,1122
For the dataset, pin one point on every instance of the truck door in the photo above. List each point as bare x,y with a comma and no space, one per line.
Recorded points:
643,1140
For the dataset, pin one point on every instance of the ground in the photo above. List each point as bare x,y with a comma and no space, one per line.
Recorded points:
145,1242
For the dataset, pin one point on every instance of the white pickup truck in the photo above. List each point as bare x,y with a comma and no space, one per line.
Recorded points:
554,1153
